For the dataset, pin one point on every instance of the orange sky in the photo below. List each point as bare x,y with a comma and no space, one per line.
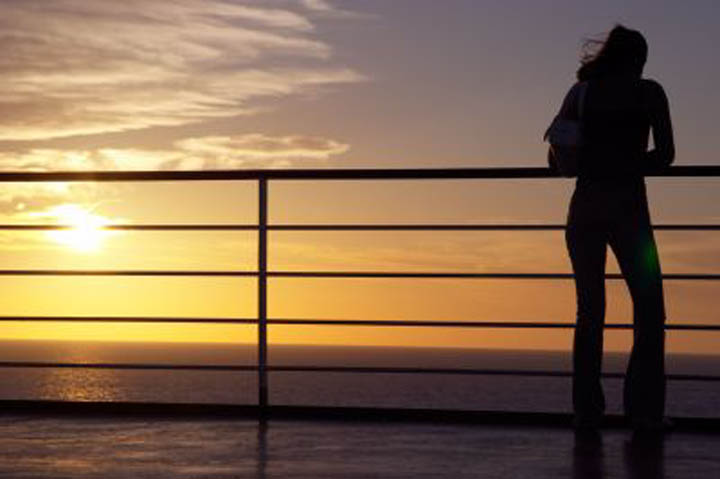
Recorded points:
412,299
236,84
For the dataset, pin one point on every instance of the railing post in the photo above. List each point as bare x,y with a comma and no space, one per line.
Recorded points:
262,298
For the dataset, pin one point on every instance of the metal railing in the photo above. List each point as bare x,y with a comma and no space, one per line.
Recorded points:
262,178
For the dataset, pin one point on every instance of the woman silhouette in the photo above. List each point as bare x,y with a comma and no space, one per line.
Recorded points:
609,206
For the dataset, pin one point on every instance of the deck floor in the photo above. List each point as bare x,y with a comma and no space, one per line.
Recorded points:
101,447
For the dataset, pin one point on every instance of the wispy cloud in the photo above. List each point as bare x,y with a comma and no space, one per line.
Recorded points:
319,5
19,200
253,150
209,152
72,67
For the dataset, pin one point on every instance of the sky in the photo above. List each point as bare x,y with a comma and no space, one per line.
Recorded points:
190,84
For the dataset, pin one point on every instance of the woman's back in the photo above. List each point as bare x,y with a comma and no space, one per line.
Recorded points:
617,120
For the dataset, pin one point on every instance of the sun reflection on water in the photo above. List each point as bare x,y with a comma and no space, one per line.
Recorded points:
75,384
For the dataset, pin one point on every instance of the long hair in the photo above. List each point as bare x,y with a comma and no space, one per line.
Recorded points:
623,52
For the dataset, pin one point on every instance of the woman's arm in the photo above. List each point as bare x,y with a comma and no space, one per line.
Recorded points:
570,108
664,152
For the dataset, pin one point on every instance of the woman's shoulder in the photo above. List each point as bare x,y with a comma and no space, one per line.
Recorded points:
577,87
571,101
652,89
576,91
653,95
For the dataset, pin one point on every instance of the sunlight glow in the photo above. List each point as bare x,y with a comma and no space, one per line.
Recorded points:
86,234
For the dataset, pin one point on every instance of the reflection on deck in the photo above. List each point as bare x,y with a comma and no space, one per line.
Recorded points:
52,445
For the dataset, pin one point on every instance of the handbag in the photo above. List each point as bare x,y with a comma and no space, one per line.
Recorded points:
565,136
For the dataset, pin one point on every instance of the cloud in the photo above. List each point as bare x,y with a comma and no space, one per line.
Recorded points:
209,152
253,150
326,9
318,5
72,67
17,201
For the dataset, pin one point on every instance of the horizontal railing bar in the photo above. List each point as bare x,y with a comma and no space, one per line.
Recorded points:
412,227
475,324
327,174
348,322
128,319
345,227
196,227
331,369
93,272
446,227
686,227
467,371
380,274
330,274
278,174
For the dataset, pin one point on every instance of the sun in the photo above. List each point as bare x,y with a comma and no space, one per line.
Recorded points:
87,229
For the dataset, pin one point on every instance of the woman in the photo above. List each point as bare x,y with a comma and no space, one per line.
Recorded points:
609,206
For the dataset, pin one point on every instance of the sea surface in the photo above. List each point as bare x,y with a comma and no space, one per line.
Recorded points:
468,392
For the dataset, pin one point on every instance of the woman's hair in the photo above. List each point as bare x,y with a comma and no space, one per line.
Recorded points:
623,52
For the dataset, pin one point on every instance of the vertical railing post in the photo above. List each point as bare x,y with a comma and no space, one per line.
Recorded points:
262,298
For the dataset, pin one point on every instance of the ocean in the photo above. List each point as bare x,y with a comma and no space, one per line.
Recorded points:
442,391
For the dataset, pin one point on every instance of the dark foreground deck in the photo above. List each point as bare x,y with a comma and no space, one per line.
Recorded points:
40,441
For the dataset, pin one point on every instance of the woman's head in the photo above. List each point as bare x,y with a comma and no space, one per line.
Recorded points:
622,53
